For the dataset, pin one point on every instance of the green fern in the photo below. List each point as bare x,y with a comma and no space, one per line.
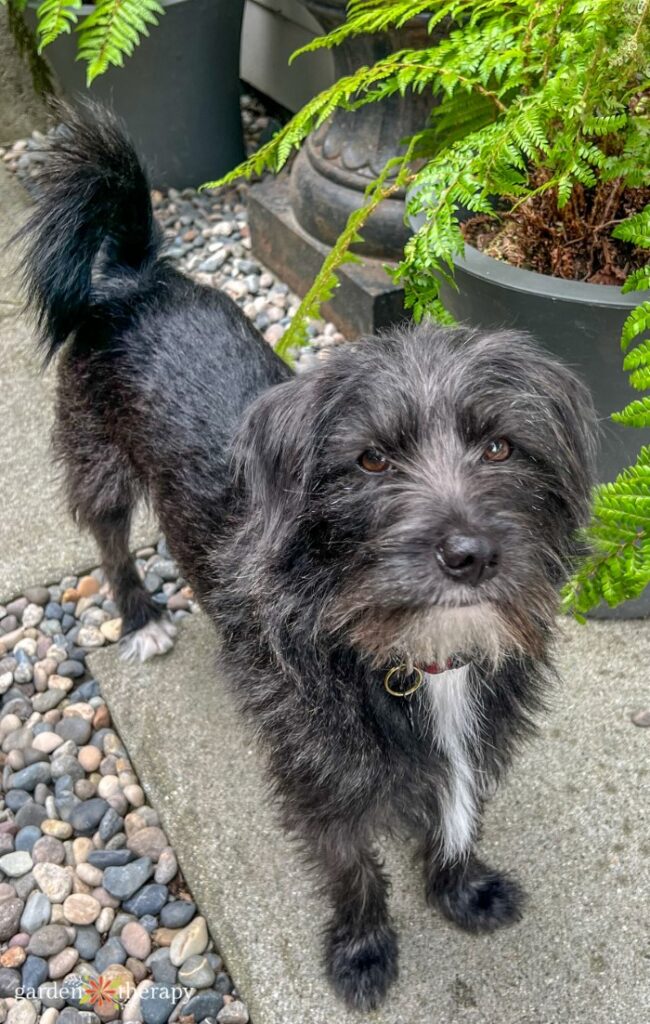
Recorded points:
112,32
525,86
55,17
619,568
107,35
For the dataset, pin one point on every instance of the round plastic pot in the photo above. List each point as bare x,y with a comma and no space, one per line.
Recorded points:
178,93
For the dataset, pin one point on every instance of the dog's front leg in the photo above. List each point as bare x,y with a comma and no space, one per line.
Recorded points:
469,892
360,942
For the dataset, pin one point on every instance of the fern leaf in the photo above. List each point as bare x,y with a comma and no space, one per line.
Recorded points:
639,356
619,568
112,32
640,379
637,281
635,229
55,17
636,414
636,323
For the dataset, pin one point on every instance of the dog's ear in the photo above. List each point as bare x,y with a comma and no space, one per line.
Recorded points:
274,447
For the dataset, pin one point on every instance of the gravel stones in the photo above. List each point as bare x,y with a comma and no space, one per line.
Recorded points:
80,908
76,729
23,1012
10,980
189,941
148,900
112,952
148,842
87,815
37,595
48,941
87,940
123,882
10,914
233,1013
136,940
196,973
177,914
109,858
36,913
32,615
34,972
16,864
63,962
167,867
158,1005
28,778
89,758
53,880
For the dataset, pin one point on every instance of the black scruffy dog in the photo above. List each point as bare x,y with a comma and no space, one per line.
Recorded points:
379,540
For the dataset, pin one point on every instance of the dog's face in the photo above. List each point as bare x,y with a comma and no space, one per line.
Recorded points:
421,491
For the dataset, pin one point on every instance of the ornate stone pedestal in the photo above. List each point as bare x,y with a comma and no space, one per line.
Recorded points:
295,217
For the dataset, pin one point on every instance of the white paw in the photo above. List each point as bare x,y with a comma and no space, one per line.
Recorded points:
154,638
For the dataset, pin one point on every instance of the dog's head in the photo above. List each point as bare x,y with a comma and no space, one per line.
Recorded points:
420,492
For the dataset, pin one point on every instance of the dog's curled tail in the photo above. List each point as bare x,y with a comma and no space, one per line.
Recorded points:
93,201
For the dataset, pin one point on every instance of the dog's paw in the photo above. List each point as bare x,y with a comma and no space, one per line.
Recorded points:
479,899
157,637
362,967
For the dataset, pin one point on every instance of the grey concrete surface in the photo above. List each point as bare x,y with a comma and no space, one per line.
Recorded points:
572,822
38,541
21,110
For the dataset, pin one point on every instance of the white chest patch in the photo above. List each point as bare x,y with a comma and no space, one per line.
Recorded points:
454,722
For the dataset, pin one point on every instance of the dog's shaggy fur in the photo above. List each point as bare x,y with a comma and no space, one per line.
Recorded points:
319,575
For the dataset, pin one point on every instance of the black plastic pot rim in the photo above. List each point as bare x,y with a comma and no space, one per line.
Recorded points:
478,264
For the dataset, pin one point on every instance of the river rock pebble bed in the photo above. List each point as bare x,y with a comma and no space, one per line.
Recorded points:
89,885
207,236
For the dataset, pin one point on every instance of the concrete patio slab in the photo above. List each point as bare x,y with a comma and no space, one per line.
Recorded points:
38,541
572,822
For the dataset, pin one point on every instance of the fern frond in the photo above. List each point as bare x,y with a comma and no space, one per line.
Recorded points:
638,356
55,17
636,414
635,229
619,568
638,280
637,322
112,32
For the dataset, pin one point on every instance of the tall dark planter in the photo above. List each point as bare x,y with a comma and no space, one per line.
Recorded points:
294,219
345,154
178,93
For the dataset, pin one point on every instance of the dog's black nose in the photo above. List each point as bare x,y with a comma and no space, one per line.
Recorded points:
468,558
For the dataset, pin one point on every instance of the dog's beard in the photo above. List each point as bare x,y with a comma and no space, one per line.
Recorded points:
477,632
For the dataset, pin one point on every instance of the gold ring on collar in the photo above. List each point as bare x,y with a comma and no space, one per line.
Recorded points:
402,669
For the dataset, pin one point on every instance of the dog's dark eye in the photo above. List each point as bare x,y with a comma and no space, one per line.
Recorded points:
372,461
498,450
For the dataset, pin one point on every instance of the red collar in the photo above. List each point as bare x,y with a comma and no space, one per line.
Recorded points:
435,668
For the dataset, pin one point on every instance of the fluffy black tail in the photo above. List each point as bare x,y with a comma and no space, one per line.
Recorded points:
93,200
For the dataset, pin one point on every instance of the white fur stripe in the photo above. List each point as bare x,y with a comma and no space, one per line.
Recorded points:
454,724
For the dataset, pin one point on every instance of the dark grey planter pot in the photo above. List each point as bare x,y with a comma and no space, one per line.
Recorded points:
178,93
580,323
